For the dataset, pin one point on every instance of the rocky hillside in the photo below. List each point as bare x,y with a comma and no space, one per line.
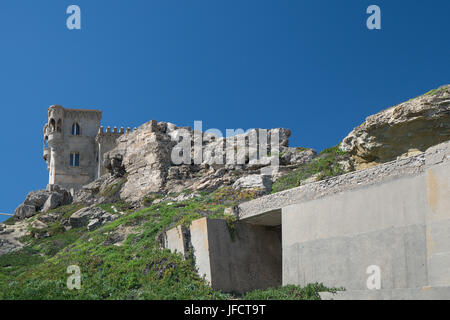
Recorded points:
141,166
112,227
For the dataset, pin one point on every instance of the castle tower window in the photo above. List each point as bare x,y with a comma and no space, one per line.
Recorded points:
76,129
52,125
59,125
74,159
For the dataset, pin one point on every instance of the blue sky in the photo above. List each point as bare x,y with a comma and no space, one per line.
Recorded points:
311,66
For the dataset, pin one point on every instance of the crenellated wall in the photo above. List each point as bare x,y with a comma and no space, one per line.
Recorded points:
106,141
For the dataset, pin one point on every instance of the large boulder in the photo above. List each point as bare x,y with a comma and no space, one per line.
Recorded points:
66,197
402,130
25,211
56,197
254,181
92,217
37,198
53,201
297,156
43,200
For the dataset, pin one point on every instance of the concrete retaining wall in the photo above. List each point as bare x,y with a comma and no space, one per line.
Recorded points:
401,224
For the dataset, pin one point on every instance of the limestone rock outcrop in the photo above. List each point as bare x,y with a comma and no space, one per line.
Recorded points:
91,216
10,235
43,200
402,130
254,181
25,211
145,158
106,189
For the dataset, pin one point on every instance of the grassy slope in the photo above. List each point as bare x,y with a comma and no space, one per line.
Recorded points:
138,268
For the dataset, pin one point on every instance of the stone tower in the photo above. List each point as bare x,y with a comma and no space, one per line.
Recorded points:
74,144
70,148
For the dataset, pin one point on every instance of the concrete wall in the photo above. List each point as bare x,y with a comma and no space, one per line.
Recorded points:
438,224
401,224
395,216
232,261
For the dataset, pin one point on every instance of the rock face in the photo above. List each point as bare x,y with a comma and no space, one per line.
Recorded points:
25,211
254,181
91,216
37,198
43,200
403,130
106,189
10,235
145,158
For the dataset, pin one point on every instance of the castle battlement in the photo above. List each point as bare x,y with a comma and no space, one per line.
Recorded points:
102,131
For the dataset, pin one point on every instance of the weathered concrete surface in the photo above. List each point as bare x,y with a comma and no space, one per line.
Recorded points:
333,240
425,293
174,240
401,224
438,224
267,210
237,259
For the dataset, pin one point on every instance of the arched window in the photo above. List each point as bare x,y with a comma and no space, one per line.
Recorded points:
52,125
76,129
74,159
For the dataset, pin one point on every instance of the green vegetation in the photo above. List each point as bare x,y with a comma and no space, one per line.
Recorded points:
290,292
123,259
148,200
438,91
324,166
68,210
231,225
137,269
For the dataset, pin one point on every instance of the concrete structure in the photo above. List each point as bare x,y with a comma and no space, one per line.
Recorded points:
395,216
230,256
74,144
